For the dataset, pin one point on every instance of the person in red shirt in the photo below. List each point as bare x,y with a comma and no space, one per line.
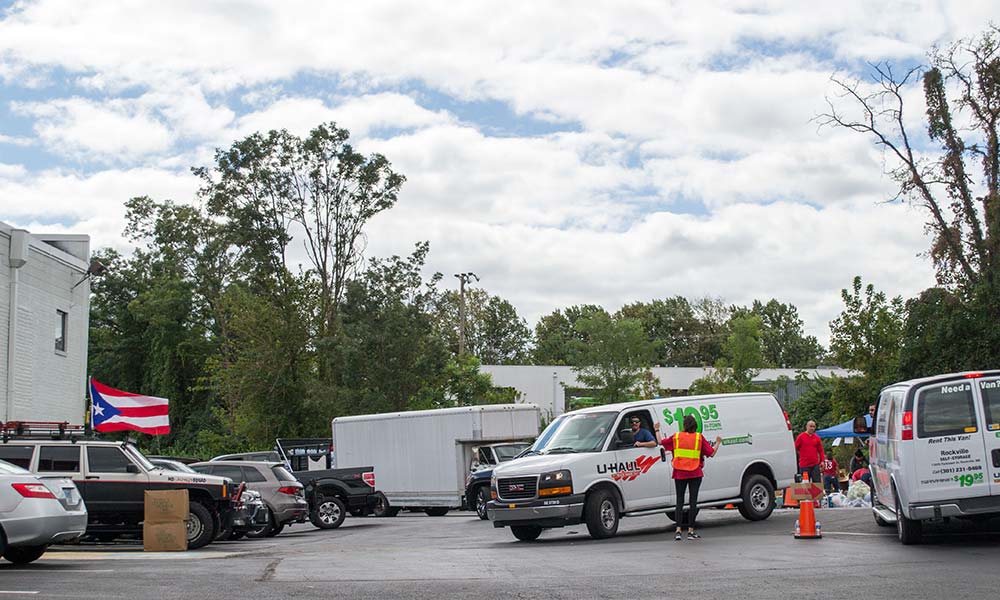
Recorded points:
809,447
831,483
689,449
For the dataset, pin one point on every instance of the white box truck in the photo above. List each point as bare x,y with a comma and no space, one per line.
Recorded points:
424,457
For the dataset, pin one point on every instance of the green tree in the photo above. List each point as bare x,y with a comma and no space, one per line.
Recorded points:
493,332
557,339
672,326
866,337
387,353
743,357
318,186
783,340
615,357
942,335
957,185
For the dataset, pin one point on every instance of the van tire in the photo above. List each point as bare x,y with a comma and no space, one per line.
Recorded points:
526,533
758,498
907,530
436,511
601,514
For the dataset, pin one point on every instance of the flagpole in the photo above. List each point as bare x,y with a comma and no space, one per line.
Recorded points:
87,427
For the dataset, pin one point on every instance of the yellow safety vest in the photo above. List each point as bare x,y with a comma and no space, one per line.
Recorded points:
687,451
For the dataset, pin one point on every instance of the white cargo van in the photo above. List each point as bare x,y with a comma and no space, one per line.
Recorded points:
584,466
936,450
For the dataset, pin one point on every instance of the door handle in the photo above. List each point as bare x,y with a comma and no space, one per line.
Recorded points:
91,477
996,457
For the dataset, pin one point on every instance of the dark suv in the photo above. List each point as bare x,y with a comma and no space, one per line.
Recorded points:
113,477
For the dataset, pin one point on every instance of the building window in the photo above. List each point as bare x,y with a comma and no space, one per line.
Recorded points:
62,319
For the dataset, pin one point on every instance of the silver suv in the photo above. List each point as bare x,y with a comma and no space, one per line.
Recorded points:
281,491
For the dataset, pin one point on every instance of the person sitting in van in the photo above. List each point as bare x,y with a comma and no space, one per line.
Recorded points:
809,447
643,438
689,449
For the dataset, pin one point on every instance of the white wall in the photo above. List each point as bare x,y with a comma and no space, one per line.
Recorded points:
545,386
38,382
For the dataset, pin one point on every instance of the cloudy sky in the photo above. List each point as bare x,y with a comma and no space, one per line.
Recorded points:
590,152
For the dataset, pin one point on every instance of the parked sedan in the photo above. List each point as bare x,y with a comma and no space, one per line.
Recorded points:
281,492
36,512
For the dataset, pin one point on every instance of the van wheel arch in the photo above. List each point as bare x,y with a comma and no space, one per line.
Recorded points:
600,485
759,468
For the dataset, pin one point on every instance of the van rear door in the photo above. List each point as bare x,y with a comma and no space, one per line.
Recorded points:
948,442
989,390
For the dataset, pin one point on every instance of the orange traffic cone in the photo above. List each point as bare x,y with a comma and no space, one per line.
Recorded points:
806,527
729,507
787,502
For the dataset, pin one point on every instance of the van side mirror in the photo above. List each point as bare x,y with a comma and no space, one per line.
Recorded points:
626,438
861,425
130,468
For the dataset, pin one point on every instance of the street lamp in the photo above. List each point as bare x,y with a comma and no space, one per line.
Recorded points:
463,278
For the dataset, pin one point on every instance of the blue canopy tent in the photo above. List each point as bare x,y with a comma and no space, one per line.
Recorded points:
844,430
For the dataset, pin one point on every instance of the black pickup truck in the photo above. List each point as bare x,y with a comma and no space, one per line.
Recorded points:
331,493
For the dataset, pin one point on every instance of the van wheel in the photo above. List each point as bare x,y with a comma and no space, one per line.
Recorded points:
200,526
436,511
601,514
907,530
758,498
526,533
382,508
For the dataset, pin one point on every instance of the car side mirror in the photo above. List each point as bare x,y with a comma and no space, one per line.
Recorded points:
626,438
130,468
861,425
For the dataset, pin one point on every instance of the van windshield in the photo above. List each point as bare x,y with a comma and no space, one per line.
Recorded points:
575,433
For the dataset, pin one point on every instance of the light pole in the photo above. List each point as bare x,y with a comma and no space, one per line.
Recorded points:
463,278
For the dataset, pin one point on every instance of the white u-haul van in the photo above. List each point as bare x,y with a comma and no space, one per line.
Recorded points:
935,452
585,468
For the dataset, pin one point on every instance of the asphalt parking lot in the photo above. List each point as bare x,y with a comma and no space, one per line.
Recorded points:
415,556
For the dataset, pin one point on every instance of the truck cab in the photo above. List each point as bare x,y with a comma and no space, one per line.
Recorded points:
485,458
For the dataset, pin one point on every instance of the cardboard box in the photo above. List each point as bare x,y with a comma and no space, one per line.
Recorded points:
164,537
166,506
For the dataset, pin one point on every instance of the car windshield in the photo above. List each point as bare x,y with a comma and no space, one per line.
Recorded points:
6,467
138,457
582,432
509,451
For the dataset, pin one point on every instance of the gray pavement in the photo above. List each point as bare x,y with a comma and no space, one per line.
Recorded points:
415,556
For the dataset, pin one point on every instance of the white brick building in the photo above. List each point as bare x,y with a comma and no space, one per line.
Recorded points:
44,316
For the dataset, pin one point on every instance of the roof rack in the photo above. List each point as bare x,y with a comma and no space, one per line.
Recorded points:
43,430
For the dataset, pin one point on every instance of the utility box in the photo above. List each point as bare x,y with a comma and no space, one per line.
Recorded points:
422,458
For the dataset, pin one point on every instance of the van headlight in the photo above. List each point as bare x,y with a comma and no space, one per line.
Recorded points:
555,483
493,486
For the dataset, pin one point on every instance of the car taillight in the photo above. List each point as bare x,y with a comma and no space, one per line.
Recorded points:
907,432
788,422
33,490
290,490
369,478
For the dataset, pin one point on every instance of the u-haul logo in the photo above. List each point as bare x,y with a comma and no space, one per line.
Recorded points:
628,471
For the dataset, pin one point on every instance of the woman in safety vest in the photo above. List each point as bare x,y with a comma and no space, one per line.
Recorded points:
689,449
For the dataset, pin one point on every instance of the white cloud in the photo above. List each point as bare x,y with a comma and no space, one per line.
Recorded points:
104,131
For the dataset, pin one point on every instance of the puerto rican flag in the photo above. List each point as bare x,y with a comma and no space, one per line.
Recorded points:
115,410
